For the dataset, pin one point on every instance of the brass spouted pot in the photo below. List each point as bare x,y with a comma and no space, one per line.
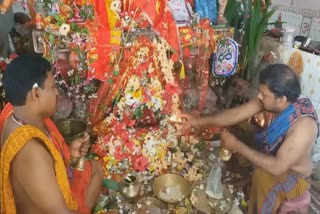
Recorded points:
130,187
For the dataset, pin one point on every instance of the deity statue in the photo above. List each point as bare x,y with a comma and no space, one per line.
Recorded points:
222,6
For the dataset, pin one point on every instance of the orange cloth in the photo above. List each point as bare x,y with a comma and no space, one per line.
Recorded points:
80,180
12,146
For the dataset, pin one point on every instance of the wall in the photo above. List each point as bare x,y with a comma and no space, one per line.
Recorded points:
304,15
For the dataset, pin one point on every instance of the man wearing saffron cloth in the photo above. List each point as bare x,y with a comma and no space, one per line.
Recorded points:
283,157
35,173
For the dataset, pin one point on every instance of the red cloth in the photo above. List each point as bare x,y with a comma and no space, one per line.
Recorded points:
79,186
102,40
81,179
162,20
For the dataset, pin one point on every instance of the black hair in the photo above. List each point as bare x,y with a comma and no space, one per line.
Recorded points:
20,76
281,80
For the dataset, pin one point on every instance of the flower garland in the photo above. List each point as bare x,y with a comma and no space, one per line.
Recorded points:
125,142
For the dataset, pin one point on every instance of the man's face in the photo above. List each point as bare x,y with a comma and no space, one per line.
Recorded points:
269,101
48,96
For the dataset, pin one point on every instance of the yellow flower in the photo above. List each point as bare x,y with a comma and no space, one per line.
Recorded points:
136,142
137,94
106,158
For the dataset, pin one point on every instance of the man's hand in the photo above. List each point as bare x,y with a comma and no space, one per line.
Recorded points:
80,146
189,121
229,141
30,24
182,121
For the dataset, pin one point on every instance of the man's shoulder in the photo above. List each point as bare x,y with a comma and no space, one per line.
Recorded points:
306,121
31,154
24,141
304,125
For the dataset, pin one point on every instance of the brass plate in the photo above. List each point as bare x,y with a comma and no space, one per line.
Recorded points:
205,204
150,205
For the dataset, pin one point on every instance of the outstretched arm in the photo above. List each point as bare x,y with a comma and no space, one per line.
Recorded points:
228,117
33,169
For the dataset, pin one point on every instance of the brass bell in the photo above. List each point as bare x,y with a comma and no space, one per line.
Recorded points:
80,164
225,154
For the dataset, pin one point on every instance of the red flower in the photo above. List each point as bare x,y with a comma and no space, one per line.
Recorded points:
172,89
96,148
127,120
3,66
119,155
129,144
140,163
13,56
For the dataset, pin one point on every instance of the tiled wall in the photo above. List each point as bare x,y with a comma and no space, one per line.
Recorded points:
303,15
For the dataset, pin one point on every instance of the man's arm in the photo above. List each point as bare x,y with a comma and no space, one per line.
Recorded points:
33,170
230,116
293,148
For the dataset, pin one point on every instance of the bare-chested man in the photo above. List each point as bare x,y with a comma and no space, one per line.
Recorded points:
35,173
283,160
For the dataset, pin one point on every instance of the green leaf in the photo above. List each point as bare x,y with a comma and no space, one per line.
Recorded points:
201,146
137,112
57,17
110,81
51,38
97,208
84,31
73,25
111,184
116,73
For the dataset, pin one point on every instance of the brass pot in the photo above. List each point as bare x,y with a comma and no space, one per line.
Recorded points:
172,181
72,129
130,187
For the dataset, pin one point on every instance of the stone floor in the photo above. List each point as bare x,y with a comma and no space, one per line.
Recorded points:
315,190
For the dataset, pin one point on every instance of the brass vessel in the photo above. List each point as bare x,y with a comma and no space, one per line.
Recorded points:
130,187
166,181
80,164
225,154
72,129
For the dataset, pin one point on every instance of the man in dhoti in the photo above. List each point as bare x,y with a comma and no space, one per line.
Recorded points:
283,160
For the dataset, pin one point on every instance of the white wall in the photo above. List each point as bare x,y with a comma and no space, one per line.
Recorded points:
306,4
302,4
303,15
